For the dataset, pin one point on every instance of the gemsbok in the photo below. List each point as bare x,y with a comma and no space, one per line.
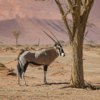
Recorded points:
41,57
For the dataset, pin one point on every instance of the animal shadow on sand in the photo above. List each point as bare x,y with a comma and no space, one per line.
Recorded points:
59,83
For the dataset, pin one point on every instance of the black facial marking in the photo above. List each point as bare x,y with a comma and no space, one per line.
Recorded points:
60,51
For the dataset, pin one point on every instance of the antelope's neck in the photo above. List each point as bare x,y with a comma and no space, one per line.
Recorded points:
57,51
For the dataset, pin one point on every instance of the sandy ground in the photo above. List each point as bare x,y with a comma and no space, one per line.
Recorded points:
58,76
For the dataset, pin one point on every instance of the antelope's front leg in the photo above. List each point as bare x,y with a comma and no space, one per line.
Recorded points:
45,71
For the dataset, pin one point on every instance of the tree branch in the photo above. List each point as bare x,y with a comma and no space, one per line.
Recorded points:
69,10
69,3
64,20
87,5
85,34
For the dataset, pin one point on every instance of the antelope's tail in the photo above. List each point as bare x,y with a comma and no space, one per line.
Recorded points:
19,69
19,66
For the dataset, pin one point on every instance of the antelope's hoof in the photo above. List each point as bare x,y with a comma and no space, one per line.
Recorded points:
18,84
45,82
26,84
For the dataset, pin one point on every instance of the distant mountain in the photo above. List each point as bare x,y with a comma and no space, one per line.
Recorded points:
31,16
31,30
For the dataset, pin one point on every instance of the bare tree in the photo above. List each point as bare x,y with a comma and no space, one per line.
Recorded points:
79,10
16,35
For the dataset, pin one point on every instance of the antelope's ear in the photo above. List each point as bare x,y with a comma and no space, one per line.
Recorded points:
55,45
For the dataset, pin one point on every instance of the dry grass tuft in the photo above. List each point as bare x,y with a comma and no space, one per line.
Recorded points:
11,70
3,67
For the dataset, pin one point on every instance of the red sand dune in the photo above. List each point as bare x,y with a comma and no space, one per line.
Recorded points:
31,16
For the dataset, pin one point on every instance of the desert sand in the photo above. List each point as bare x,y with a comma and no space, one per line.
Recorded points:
58,75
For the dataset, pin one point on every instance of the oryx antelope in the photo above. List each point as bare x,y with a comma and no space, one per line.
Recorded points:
41,57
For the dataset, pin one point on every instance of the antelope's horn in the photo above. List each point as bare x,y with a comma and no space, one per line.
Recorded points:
49,36
54,36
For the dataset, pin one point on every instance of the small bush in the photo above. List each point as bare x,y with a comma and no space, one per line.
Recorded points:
68,42
90,41
11,70
61,41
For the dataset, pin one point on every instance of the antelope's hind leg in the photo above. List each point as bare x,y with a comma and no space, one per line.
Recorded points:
24,69
18,80
24,79
19,73
45,71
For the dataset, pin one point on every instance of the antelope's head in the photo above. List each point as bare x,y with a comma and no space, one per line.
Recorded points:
60,49
57,44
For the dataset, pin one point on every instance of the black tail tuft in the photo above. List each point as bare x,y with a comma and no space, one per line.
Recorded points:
19,70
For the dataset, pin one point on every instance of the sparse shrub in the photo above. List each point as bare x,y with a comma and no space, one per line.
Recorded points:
9,48
61,41
68,42
26,48
31,48
39,68
11,70
90,41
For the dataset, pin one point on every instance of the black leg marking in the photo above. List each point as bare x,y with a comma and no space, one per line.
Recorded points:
45,68
45,71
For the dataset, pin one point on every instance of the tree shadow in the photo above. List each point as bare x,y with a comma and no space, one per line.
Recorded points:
98,83
68,85
88,86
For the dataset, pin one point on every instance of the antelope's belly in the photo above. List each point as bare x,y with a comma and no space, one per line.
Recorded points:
32,64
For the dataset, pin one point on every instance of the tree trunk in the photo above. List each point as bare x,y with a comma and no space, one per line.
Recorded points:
16,42
77,76
79,15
